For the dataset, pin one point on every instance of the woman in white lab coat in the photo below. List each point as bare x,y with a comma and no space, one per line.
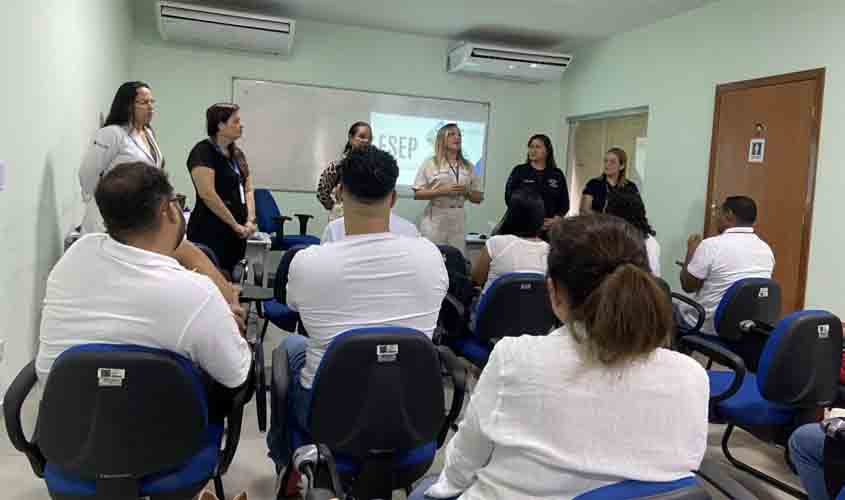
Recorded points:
126,137
447,181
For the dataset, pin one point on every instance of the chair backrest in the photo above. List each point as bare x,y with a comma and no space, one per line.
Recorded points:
266,211
682,489
460,283
515,304
208,253
121,412
801,360
757,299
377,390
280,281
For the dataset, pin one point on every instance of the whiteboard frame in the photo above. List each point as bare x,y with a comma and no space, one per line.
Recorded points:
402,191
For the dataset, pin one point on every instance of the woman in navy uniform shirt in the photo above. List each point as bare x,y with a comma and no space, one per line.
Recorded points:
541,174
224,216
613,180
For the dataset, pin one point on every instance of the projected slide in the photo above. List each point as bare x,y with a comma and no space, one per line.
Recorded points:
410,139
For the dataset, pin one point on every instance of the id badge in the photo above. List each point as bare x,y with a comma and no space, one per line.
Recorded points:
243,196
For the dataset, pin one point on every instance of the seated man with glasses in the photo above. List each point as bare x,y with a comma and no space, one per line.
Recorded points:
125,287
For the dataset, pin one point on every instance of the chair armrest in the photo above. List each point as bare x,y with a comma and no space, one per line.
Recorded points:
279,384
722,356
234,423
12,404
699,311
254,293
280,222
303,222
458,373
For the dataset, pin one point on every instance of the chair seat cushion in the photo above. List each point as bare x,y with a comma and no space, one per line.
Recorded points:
197,471
281,315
638,489
747,407
471,348
420,455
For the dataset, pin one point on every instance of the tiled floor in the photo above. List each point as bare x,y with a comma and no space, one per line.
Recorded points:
253,471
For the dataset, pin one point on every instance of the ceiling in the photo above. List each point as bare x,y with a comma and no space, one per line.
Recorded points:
558,24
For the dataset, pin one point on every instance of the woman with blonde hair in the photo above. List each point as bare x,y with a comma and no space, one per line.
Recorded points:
447,181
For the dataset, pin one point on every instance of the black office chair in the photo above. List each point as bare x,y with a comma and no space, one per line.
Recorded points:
700,313
515,304
378,404
276,311
122,422
798,373
744,318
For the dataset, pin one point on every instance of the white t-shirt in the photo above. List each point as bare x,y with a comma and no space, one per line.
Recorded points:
364,280
336,230
112,146
652,248
102,291
544,424
721,261
512,254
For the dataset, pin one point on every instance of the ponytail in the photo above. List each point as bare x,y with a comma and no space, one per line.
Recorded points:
627,316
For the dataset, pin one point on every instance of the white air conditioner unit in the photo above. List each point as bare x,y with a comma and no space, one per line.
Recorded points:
510,63
194,24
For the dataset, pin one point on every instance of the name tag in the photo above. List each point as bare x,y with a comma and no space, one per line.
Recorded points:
243,195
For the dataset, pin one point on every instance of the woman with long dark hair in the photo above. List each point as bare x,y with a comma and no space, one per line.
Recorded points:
360,135
630,207
517,247
598,401
224,216
541,174
126,137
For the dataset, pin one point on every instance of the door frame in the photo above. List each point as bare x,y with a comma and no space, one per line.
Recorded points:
816,114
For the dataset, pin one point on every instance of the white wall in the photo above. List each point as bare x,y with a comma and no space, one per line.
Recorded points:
186,80
674,66
61,63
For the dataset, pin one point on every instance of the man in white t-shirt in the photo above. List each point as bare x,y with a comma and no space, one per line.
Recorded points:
125,287
336,229
713,265
372,277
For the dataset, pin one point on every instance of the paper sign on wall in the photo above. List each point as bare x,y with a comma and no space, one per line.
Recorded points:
2,175
757,151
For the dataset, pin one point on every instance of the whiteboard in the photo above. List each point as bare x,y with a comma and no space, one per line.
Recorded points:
292,131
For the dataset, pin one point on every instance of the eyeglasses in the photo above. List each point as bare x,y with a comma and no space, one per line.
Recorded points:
180,199
151,102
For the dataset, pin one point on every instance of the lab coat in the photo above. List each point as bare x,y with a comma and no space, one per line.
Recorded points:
443,219
112,146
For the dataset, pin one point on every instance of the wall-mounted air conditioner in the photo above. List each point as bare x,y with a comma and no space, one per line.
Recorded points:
497,61
198,25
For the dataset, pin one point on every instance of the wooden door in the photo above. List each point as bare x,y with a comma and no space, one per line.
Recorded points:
784,111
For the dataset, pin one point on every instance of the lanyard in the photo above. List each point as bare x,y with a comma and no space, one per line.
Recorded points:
457,171
233,162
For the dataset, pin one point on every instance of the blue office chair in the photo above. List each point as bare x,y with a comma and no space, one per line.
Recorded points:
122,422
798,373
378,405
744,318
682,489
515,304
271,221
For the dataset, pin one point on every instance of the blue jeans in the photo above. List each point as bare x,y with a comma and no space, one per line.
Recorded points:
280,439
806,447
419,491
